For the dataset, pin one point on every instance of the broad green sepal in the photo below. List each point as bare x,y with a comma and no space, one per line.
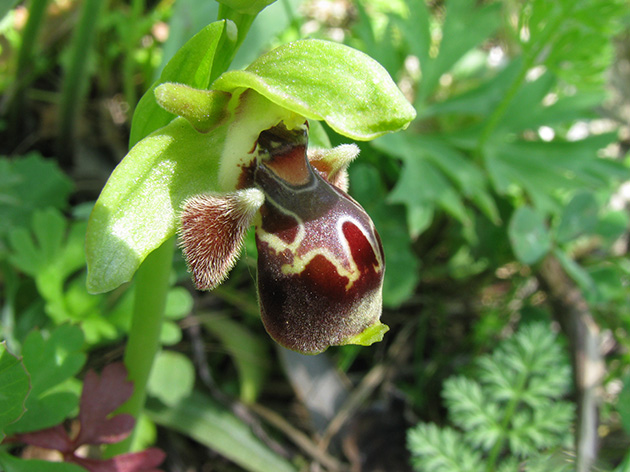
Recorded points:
371,335
322,80
139,207
136,211
202,108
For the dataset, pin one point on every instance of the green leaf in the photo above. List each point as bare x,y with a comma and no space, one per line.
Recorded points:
202,419
50,361
14,387
10,463
423,184
441,450
327,81
466,25
401,274
544,168
28,184
6,7
529,235
577,273
191,65
172,377
248,352
578,218
623,404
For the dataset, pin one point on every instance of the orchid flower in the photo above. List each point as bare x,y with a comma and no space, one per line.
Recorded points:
237,155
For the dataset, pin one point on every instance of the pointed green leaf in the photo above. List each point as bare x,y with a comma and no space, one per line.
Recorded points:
191,65
529,235
14,387
327,81
248,352
201,418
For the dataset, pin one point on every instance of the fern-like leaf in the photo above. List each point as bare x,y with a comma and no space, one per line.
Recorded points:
441,450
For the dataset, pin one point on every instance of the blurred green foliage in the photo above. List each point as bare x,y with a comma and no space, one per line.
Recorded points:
511,160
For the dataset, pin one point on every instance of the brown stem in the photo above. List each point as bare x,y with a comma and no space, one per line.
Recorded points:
576,320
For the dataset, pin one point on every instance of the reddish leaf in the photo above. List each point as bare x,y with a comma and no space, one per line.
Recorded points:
100,397
52,438
143,461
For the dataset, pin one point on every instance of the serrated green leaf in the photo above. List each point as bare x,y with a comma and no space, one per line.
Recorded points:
544,168
50,361
191,65
529,236
172,377
431,167
578,218
322,80
441,450
10,463
14,388
401,275
201,418
28,184
248,352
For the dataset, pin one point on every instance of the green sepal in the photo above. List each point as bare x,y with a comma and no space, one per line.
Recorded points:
203,109
136,210
370,335
139,207
191,65
322,80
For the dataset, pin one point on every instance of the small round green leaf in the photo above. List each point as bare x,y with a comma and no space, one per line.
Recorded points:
327,81
172,377
529,235
579,217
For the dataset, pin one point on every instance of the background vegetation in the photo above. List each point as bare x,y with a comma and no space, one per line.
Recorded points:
503,211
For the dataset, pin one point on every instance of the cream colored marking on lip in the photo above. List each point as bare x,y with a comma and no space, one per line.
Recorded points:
300,262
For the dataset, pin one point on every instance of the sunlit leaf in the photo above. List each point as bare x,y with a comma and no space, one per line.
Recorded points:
529,235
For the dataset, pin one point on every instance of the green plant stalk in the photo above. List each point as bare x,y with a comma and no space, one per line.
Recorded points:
152,284
137,7
36,13
75,80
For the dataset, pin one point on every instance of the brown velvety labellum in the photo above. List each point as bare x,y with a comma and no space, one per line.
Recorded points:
320,260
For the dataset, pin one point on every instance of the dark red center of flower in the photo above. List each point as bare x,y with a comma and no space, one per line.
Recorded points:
320,260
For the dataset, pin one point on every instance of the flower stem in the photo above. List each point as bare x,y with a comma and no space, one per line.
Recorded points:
152,284
76,79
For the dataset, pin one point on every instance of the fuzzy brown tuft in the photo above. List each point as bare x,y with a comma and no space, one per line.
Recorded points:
212,231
